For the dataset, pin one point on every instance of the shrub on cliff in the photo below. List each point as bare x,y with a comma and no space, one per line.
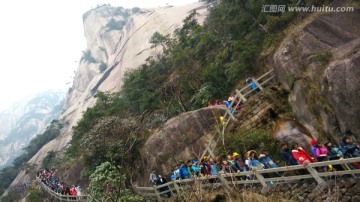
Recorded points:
87,56
121,11
135,10
115,24
102,67
49,159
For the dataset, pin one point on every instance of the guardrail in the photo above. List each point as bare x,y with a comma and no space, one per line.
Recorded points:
242,94
230,180
60,197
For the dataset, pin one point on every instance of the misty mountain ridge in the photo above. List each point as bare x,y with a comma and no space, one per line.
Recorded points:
25,119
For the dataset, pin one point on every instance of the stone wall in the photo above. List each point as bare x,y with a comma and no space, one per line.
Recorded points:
254,113
344,189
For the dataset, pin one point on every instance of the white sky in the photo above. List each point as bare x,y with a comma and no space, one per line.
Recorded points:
41,42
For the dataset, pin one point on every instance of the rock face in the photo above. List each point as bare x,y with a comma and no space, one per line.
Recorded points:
120,50
341,86
117,48
319,64
180,139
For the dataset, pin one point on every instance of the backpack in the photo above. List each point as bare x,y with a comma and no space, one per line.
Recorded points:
172,176
195,168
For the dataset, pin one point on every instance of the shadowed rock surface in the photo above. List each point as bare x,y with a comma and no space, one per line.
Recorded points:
181,138
318,63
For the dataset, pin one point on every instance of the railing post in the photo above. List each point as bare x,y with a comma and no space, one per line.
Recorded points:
241,96
177,188
224,181
257,84
228,111
157,193
321,183
211,153
261,179
313,173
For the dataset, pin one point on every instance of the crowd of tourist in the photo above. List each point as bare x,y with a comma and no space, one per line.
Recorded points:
47,177
253,160
231,103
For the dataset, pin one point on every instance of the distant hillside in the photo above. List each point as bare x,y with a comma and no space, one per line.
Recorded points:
26,119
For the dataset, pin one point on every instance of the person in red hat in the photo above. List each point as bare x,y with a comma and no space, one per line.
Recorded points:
313,146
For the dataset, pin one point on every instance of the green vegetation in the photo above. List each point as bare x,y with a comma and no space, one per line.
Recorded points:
120,11
159,39
35,196
311,89
109,175
199,63
290,78
8,174
87,56
14,195
48,161
102,67
115,24
322,58
135,10
255,139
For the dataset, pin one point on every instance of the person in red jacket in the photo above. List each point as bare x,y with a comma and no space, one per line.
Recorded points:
300,155
73,191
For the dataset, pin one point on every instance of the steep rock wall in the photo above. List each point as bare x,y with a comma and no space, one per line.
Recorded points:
180,139
120,50
318,64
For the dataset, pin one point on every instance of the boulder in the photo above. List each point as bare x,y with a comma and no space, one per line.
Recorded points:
180,139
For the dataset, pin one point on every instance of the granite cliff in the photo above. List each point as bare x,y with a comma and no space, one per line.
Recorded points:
111,51
319,65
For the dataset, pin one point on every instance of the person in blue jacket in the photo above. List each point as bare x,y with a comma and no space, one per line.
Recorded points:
250,81
184,174
266,160
252,162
